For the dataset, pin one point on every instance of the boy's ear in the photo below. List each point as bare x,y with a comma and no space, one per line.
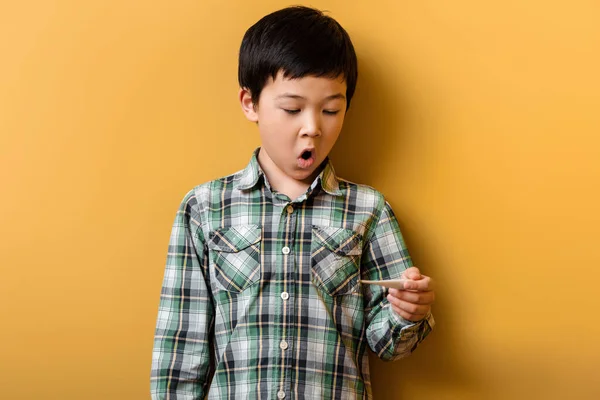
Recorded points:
247,105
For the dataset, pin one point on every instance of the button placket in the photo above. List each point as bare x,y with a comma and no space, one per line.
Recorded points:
287,304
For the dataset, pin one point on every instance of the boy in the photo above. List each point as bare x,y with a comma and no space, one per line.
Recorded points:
262,296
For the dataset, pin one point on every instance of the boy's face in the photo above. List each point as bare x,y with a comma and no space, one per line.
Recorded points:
299,122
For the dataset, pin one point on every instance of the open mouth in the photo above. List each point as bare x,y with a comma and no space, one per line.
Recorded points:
306,158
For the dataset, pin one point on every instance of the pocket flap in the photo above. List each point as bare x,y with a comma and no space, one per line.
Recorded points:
234,238
344,242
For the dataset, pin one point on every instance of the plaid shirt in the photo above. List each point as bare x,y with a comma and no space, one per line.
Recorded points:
262,297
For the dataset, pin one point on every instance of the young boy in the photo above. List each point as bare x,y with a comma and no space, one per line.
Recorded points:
262,295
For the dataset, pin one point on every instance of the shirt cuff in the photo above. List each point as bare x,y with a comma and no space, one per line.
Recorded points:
409,328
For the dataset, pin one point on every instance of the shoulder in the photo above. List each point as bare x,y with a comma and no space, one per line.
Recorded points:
361,194
200,196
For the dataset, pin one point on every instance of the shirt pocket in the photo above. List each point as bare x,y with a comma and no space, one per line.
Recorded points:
335,259
235,255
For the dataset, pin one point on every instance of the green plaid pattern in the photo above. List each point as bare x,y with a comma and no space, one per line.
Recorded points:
262,298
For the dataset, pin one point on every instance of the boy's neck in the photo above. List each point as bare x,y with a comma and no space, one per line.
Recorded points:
280,181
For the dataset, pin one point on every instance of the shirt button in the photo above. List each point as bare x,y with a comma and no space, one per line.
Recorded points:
285,250
285,295
290,209
283,345
281,394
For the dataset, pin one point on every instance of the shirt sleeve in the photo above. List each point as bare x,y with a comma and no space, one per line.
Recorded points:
181,355
385,256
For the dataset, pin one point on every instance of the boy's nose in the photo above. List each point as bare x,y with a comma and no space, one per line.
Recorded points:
311,126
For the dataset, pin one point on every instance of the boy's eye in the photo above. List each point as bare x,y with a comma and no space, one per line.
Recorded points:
331,112
291,111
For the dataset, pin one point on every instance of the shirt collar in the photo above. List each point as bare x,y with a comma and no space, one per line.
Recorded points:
250,176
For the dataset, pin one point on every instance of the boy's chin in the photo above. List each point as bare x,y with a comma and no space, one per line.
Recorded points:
304,175
299,175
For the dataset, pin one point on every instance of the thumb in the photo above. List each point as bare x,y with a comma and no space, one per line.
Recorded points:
412,273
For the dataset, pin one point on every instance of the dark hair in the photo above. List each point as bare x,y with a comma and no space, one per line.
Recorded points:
299,41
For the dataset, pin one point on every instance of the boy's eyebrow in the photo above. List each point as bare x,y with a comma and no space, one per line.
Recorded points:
296,96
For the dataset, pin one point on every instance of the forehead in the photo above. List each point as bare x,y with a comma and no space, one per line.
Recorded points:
310,87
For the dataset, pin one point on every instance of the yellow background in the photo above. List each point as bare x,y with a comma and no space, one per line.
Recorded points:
479,120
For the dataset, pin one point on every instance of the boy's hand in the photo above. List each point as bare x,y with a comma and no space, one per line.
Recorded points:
413,304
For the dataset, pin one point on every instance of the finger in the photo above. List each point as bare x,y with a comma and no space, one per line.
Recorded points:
411,308
424,285
414,297
412,273
408,316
